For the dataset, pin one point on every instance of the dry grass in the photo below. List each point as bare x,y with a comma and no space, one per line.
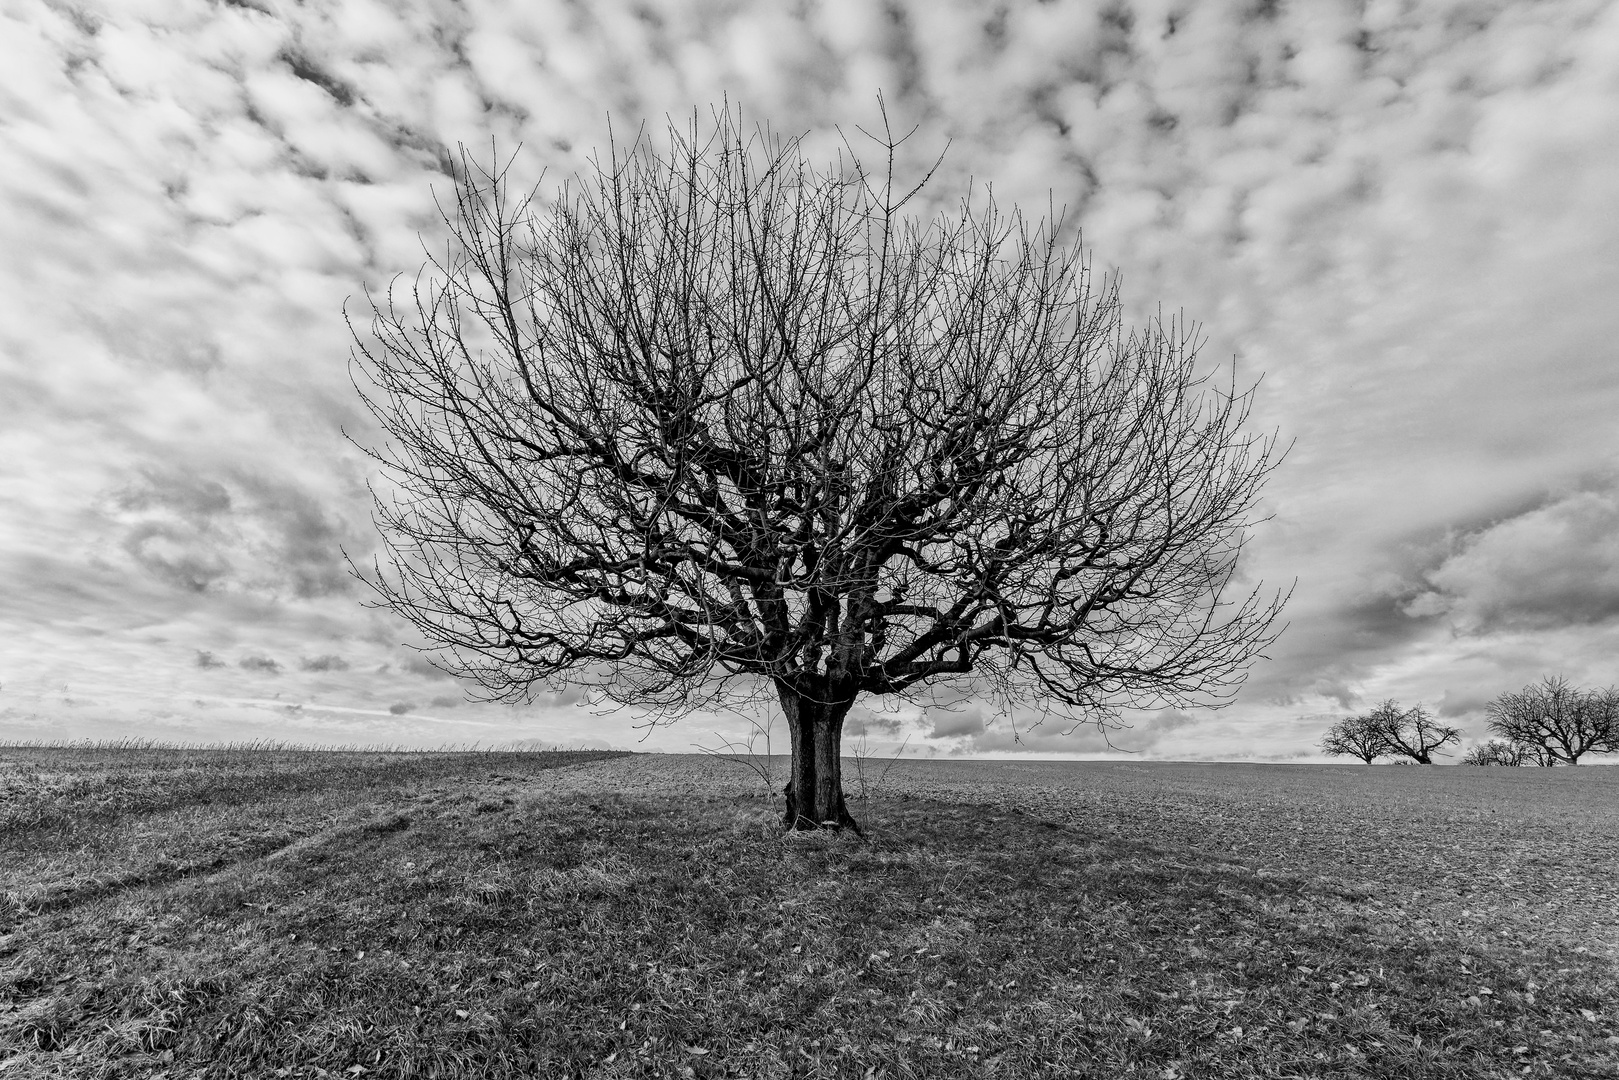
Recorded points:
643,917
45,786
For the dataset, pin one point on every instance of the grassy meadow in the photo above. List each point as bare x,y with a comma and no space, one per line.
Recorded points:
274,913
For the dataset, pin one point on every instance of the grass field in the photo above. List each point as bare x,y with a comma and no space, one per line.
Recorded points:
279,914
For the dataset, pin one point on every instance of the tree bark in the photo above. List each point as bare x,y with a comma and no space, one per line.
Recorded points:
814,788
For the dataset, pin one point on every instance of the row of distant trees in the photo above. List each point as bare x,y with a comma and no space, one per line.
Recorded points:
1548,723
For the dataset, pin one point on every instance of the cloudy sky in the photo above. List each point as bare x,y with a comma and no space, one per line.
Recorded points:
1406,215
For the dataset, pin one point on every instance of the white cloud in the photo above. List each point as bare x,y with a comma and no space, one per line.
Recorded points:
1407,215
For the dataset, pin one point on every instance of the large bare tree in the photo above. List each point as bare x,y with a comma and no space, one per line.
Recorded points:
712,422
1355,736
1556,721
1413,733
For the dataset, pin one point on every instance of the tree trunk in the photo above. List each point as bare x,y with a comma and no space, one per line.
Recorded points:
815,780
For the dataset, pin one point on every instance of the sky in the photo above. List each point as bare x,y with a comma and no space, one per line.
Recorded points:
1404,215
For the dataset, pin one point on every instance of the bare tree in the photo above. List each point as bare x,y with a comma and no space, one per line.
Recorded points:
1538,755
714,423
1412,733
1503,752
1558,721
1354,736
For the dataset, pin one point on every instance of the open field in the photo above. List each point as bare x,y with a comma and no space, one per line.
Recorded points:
588,915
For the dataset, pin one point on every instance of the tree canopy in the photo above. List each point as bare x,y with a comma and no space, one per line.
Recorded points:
1390,731
1355,736
712,421
1555,721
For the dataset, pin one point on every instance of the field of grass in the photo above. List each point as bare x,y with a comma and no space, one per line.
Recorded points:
591,915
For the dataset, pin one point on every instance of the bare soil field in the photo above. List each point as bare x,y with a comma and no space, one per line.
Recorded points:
170,914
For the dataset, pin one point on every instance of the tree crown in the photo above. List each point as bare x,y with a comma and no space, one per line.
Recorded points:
1558,721
717,416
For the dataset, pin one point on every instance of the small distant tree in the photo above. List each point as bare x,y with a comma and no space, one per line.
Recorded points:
1558,722
1502,752
1354,736
1410,733
715,423
1539,756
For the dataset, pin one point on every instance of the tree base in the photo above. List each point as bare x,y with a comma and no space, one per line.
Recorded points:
795,819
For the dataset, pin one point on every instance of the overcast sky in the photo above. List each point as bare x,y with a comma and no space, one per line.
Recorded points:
1405,215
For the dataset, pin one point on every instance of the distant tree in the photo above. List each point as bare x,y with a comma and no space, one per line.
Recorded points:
1537,755
1558,722
1354,736
1410,733
716,423
1497,752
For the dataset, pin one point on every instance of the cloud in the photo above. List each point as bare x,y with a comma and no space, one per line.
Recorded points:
1161,724
1026,732
235,531
1408,218
423,666
171,527
1554,566
951,723
206,660
1466,701
328,662
259,663
862,722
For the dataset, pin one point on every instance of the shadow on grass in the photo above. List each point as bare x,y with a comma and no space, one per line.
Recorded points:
492,936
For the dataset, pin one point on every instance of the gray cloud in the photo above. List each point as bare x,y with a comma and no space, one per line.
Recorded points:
195,500
1142,733
1051,737
863,723
1467,701
949,723
421,665
260,663
175,556
237,531
1556,565
1159,725
327,662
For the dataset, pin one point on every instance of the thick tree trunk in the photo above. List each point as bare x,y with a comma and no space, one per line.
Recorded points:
815,780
